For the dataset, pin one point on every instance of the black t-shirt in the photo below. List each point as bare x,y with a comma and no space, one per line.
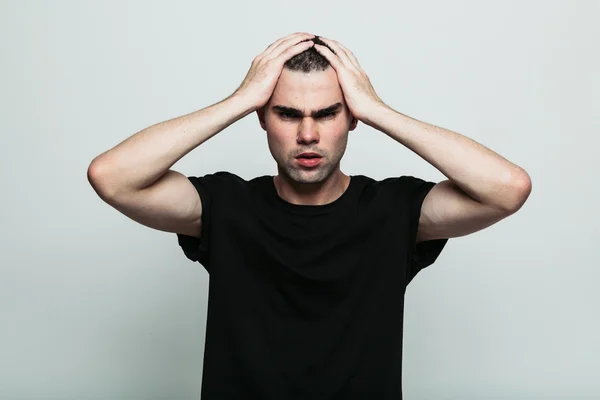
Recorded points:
307,302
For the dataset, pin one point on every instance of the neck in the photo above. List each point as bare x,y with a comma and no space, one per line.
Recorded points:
315,194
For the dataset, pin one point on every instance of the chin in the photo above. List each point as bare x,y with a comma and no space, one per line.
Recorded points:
315,175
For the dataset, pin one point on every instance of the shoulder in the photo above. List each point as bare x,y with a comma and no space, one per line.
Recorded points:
403,186
220,177
218,187
219,181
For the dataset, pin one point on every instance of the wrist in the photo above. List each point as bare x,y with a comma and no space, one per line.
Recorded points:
375,114
242,103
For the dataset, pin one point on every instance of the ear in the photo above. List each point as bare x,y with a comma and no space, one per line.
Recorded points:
353,120
353,123
261,117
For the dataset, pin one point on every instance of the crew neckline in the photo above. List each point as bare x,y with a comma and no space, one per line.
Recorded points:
310,209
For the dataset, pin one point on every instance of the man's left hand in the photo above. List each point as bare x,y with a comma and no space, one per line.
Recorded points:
357,88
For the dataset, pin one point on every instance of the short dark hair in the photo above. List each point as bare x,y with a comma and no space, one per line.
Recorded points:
309,60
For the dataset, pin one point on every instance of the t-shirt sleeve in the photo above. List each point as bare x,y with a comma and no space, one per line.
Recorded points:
425,253
209,187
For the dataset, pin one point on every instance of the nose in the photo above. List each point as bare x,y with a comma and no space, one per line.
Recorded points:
307,132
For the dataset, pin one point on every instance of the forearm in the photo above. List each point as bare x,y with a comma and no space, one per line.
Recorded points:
144,157
483,174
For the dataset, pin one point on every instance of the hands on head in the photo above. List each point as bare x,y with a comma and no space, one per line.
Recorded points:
266,68
264,72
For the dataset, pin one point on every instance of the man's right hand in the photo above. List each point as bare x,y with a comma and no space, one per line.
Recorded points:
135,177
257,88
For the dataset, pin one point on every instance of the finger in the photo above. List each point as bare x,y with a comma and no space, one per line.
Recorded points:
273,45
350,55
333,59
292,51
285,45
345,55
278,41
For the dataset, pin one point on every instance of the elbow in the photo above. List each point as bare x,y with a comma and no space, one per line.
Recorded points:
519,191
97,176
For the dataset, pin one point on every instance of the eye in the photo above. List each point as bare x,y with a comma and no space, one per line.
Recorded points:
285,115
328,115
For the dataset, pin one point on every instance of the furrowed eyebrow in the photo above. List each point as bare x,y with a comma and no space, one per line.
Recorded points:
315,114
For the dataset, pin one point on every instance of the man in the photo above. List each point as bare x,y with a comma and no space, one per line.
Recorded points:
308,269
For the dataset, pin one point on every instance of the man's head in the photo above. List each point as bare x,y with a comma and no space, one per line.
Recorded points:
307,112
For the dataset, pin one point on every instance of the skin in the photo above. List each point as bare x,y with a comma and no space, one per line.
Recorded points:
135,176
289,134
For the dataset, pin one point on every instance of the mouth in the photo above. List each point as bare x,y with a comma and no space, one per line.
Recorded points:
309,155
309,159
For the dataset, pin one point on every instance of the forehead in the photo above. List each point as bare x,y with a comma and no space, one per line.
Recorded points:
312,90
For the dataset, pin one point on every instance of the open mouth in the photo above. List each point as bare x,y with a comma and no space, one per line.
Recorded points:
309,161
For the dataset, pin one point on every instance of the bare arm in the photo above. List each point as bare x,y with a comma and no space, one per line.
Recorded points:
135,178
140,160
483,187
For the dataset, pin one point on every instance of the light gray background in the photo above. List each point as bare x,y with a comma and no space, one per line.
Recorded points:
96,306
